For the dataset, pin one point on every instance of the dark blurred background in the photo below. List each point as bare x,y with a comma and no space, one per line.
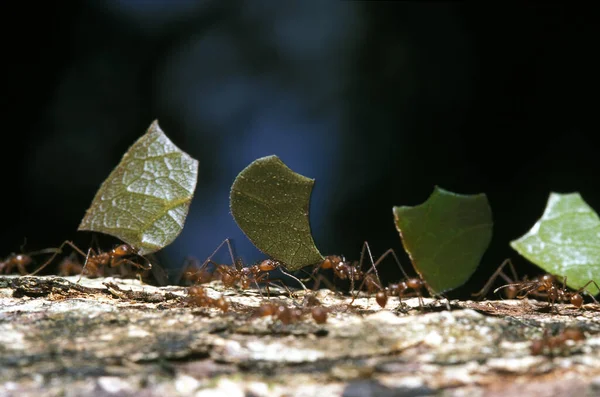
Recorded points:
377,101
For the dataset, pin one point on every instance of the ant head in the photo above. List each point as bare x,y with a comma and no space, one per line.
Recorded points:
123,249
414,283
267,265
547,280
511,291
331,261
23,259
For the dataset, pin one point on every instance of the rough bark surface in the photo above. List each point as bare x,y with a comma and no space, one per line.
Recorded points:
117,337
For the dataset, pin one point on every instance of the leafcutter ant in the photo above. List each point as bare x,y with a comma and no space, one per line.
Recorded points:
352,271
238,274
21,261
93,261
288,315
193,273
199,297
550,344
546,286
373,283
18,261
70,266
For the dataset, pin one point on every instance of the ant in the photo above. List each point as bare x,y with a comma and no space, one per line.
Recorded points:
548,344
288,315
199,297
352,271
399,289
193,273
373,283
113,258
547,285
70,266
21,261
237,273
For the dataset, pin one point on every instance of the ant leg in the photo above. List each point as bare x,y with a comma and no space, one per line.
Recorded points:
393,253
85,263
583,289
293,277
209,259
498,273
374,265
328,283
56,252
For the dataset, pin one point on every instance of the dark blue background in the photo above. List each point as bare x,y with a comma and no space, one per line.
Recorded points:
377,101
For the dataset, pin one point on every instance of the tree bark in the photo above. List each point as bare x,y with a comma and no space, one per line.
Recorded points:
119,337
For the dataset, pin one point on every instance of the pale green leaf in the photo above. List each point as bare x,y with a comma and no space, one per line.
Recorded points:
145,199
565,241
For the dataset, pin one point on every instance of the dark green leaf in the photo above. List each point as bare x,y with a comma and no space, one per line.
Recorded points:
445,236
565,241
270,204
145,199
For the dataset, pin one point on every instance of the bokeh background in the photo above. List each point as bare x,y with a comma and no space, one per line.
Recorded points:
378,101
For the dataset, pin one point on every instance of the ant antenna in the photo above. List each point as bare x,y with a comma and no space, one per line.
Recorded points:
292,277
209,259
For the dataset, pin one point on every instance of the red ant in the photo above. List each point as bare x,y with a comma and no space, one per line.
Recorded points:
288,315
70,266
546,286
548,344
236,274
373,283
352,271
113,258
399,289
21,261
193,273
199,297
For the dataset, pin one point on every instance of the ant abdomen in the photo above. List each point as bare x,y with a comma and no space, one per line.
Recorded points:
381,298
577,300
319,314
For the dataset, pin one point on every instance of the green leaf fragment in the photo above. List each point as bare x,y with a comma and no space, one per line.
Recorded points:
270,203
446,236
565,241
145,199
